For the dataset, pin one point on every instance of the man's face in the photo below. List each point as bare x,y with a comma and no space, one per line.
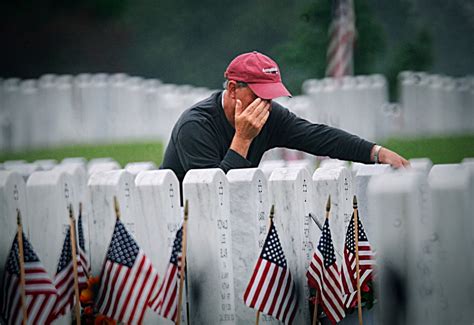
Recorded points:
246,95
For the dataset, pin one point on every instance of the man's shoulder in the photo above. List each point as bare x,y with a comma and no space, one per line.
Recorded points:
200,114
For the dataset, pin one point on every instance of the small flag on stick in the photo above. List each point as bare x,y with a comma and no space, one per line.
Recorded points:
323,275
39,290
84,260
349,267
128,278
165,303
271,289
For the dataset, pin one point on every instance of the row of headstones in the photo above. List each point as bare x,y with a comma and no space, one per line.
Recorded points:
428,255
64,109
428,104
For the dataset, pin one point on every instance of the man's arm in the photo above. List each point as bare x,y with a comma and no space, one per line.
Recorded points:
319,139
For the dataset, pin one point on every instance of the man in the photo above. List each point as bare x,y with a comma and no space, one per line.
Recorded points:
233,128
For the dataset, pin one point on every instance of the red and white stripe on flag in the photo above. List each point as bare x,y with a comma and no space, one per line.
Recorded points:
366,263
165,303
64,279
41,294
128,279
271,288
341,39
323,275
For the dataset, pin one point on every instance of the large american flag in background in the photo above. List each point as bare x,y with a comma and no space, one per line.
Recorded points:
366,262
342,33
127,281
40,291
323,275
271,289
64,278
166,301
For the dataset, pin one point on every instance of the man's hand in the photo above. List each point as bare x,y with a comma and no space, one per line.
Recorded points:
387,156
249,122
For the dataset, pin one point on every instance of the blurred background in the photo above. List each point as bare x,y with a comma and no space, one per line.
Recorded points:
191,43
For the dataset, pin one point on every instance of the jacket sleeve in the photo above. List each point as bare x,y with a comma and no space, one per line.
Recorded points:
318,139
197,147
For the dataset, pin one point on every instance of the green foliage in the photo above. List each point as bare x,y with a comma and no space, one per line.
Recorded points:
122,153
415,54
306,52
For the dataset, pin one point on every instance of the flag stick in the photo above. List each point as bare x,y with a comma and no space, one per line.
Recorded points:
356,236
183,262
22,267
72,231
116,206
258,317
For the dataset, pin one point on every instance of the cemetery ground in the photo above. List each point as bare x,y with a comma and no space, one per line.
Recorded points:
441,150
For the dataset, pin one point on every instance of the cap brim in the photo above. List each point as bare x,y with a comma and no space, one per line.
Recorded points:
269,90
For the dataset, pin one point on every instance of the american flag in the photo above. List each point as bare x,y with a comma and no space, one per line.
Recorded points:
82,247
342,33
323,275
271,289
366,262
41,294
166,301
64,279
128,279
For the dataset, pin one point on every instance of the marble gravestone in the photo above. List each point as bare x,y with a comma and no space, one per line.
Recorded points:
292,194
331,163
46,164
137,167
361,180
421,164
209,255
249,215
102,167
449,188
268,166
49,195
336,182
25,169
406,245
82,194
12,197
158,196
103,187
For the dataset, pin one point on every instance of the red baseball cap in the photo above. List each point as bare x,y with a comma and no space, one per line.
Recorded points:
260,73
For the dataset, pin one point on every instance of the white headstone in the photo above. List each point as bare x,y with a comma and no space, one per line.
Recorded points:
158,196
137,167
49,195
102,167
12,197
46,164
333,163
24,170
268,166
103,187
361,181
249,215
336,182
292,194
421,164
209,255
79,160
449,187
406,247
82,194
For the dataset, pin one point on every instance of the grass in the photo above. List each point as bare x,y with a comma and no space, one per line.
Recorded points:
122,153
439,149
